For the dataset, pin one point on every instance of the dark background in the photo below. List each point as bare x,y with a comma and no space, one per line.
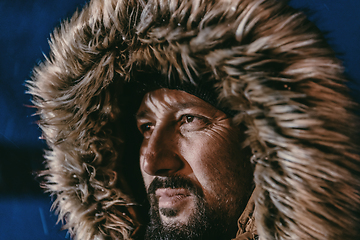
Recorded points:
24,30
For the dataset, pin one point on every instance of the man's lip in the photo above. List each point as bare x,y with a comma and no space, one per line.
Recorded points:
171,198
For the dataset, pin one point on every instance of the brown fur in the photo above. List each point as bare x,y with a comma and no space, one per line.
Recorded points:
270,64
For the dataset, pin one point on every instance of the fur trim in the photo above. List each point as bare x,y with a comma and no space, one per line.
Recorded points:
270,64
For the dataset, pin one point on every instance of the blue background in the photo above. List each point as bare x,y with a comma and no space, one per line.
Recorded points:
24,30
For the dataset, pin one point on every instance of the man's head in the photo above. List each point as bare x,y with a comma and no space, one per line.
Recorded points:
268,67
196,174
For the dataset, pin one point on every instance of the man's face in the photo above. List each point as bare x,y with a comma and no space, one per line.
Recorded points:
194,169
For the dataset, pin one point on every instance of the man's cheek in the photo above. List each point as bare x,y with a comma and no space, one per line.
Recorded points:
147,179
207,179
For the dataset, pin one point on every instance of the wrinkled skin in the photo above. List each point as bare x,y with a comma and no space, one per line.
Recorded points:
187,138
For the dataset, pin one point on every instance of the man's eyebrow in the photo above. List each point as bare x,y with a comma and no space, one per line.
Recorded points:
141,114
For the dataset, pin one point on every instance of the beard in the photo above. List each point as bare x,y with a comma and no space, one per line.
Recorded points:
205,222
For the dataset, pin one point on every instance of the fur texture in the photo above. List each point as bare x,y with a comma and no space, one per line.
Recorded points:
270,64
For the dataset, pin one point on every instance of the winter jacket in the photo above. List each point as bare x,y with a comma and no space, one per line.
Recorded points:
267,63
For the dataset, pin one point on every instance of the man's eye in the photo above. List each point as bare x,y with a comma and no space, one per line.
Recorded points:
189,118
192,123
146,129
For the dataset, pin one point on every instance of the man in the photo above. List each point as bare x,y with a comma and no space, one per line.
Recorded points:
246,127
191,163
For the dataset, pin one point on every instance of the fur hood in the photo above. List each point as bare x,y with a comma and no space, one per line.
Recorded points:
267,62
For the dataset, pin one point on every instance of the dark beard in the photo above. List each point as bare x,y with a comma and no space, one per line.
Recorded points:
204,223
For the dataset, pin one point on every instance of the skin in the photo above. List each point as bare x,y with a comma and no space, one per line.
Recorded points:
187,137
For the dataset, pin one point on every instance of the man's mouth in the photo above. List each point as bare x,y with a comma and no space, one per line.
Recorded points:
172,198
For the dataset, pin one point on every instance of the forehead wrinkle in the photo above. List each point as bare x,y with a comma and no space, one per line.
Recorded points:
169,100
164,102
145,110
148,104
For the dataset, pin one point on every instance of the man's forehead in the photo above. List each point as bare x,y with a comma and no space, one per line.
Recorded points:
170,99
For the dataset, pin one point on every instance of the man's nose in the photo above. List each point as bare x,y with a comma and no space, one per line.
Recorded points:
160,155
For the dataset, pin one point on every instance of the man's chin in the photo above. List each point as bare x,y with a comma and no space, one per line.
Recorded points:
176,226
172,217
192,221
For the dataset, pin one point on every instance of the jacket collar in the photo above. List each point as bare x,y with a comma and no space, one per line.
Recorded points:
246,223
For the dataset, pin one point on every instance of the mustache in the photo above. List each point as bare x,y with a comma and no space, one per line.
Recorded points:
173,182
